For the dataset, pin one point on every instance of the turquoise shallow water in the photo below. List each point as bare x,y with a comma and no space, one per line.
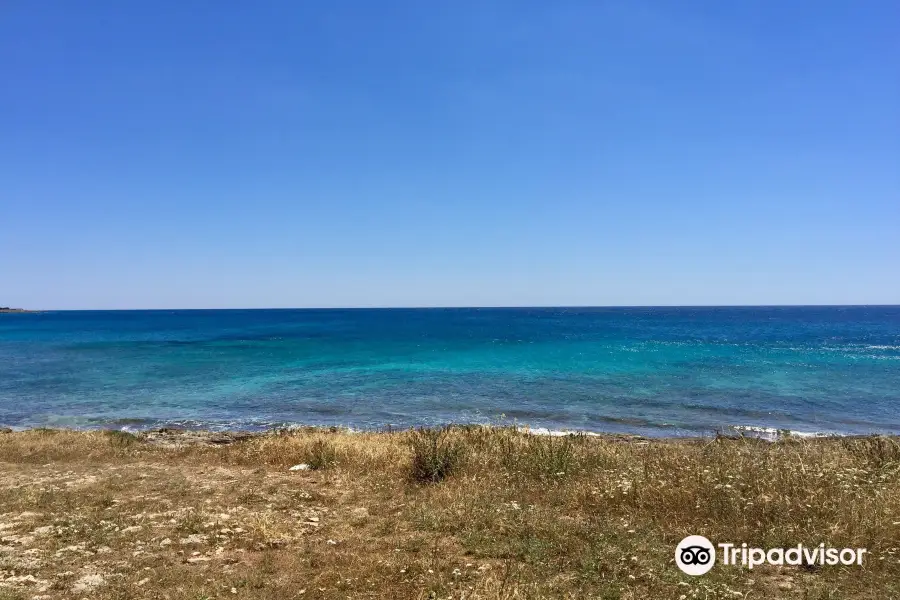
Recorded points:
656,371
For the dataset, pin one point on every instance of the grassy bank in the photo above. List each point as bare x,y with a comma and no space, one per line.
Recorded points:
469,513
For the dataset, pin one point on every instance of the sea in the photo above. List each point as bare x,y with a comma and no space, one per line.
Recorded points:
651,371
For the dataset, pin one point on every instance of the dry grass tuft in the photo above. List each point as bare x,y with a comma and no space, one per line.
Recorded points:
436,454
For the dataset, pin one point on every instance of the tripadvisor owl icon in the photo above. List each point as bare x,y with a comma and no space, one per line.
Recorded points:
695,555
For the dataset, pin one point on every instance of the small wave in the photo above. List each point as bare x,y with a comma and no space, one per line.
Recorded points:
304,426
554,432
131,422
773,433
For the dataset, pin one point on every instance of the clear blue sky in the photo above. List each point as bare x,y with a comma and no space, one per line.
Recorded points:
179,153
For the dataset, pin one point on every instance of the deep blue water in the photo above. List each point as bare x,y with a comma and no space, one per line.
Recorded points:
657,371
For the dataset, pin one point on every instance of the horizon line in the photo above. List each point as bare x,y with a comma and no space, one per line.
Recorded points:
466,307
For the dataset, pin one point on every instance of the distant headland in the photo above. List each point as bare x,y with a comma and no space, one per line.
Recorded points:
7,309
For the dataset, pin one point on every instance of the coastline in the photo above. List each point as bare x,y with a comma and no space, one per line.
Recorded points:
201,432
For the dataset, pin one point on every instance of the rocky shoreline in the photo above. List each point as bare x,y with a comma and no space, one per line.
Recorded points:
175,437
178,436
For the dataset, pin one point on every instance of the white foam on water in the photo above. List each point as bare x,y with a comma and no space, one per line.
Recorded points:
772,433
554,432
302,426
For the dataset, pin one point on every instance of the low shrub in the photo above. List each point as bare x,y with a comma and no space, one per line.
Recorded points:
540,456
321,454
120,439
436,454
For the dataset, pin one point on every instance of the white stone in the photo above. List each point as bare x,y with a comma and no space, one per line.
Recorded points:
88,582
43,530
194,538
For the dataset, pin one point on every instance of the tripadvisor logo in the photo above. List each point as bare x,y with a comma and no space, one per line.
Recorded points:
696,555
